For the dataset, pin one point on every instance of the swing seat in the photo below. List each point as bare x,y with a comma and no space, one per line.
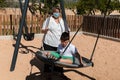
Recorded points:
28,36
40,56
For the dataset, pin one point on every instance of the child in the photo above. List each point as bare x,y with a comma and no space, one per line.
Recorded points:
67,56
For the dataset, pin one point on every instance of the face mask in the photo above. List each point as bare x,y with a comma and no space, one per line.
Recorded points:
56,14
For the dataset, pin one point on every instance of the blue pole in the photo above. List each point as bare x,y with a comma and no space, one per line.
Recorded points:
19,36
21,8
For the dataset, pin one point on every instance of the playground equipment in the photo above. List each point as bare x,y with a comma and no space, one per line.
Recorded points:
40,54
27,36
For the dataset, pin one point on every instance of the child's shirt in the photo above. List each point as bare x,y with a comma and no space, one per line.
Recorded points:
71,50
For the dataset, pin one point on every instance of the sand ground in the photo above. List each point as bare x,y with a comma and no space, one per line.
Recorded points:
106,60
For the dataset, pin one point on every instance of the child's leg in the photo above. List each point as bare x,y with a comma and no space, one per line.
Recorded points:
66,61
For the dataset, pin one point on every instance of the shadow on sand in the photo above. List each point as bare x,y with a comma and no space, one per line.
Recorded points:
44,75
52,75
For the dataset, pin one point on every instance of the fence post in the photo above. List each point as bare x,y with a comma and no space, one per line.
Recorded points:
0,24
11,24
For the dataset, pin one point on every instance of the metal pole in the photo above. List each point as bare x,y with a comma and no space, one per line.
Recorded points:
19,36
91,57
21,8
64,15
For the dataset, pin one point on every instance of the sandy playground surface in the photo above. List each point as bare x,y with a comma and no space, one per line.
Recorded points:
106,60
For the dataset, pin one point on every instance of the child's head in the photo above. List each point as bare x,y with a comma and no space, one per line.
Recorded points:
65,38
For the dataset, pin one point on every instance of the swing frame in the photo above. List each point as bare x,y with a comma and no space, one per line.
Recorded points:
27,36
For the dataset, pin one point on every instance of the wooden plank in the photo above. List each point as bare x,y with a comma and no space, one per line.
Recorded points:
0,24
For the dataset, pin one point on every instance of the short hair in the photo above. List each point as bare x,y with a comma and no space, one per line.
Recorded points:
65,36
54,8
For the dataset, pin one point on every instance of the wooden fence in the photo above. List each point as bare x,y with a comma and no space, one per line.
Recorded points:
110,26
9,24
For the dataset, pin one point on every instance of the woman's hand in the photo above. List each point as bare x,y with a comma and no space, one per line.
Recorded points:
45,30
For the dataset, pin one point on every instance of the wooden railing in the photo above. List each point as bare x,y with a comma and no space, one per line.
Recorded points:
110,26
9,24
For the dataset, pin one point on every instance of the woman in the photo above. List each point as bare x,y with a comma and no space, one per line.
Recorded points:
53,27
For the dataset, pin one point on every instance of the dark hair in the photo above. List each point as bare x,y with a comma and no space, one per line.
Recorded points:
65,36
54,8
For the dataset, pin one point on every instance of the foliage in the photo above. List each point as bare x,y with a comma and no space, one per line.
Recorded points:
86,6
89,6
47,8
9,3
48,4
103,4
116,4
70,4
2,3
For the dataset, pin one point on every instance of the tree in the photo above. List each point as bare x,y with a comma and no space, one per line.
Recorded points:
86,7
116,4
49,4
70,4
46,9
89,6
9,3
2,3
113,5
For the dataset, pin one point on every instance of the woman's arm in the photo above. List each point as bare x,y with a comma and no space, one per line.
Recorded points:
45,30
45,25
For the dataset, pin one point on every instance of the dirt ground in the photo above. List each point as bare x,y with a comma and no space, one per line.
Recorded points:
106,60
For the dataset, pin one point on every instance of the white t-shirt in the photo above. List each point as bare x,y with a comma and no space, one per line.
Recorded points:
70,51
53,35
